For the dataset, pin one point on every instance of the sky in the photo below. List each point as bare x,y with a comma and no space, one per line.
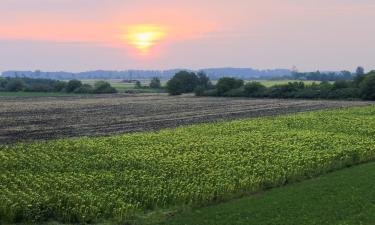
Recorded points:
81,35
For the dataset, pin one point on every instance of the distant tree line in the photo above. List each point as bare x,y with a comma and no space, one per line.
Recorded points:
362,86
326,76
15,84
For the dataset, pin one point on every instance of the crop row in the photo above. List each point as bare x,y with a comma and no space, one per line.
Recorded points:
91,179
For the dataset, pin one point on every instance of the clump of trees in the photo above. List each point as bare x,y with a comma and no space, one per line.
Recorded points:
326,76
47,85
187,82
362,87
155,83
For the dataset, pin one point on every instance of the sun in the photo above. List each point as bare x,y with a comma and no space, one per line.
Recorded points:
144,37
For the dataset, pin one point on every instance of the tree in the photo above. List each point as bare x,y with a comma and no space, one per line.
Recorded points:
204,80
138,84
15,84
228,83
155,83
182,82
367,87
59,85
255,89
360,71
72,85
84,89
103,87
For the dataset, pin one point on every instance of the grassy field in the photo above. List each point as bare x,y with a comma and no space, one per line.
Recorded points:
124,87
123,178
34,94
342,197
269,83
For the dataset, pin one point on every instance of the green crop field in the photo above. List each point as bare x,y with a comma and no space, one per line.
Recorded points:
342,197
124,178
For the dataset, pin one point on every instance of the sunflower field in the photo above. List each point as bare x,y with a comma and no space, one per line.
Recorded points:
88,180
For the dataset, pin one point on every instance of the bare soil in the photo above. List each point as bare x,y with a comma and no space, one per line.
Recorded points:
24,119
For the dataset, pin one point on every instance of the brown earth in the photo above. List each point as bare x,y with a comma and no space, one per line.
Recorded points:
43,118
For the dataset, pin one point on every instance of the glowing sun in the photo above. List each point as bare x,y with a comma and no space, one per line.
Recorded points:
144,37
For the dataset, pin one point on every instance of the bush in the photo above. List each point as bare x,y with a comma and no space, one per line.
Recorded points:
15,84
342,84
72,85
226,84
59,85
84,89
182,82
155,83
308,93
238,92
210,92
367,87
38,88
103,87
344,93
255,89
199,90
204,80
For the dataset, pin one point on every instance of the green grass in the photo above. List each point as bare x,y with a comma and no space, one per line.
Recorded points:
269,83
33,94
123,87
342,197
125,177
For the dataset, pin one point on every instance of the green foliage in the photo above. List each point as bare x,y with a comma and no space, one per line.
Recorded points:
155,83
342,197
72,85
360,71
84,89
88,180
46,85
59,86
367,87
237,92
103,87
15,84
226,84
204,80
182,82
342,84
363,87
255,89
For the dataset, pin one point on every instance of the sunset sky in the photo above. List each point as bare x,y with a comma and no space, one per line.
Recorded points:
80,35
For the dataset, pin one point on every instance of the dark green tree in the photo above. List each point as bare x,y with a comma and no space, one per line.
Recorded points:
360,71
204,80
15,84
367,87
182,82
255,89
72,85
155,83
103,87
226,84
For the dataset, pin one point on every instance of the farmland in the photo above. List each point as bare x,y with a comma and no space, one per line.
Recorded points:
43,118
323,200
123,177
